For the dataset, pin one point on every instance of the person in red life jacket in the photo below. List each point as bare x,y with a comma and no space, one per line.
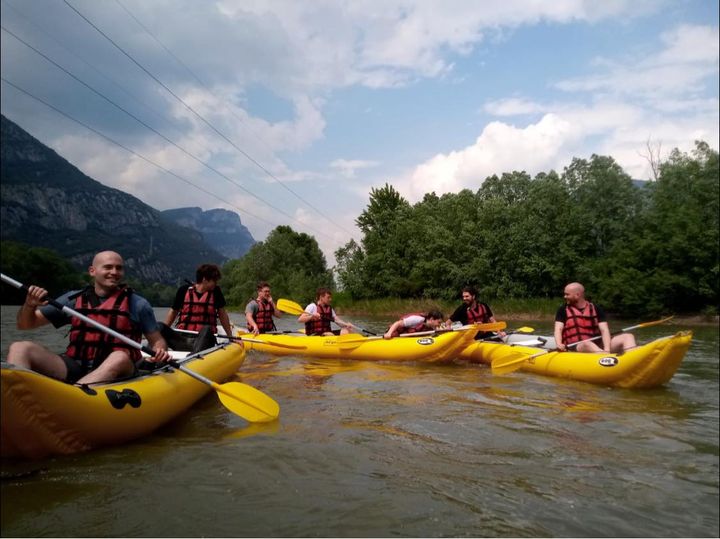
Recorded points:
579,319
196,307
318,316
473,311
412,323
92,355
259,312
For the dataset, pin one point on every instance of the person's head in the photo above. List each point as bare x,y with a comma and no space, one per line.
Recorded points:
574,293
434,318
263,290
469,293
107,269
207,274
323,296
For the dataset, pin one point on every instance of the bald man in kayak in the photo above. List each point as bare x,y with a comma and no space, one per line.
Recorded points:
579,320
92,355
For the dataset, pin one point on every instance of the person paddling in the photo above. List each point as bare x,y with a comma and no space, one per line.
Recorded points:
318,316
580,319
473,311
198,307
92,355
412,323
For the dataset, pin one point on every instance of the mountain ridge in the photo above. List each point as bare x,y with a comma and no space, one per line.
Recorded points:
48,202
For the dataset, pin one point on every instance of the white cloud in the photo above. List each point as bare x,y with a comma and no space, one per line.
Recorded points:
500,148
348,168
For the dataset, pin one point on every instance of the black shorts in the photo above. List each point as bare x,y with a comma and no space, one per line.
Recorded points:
75,369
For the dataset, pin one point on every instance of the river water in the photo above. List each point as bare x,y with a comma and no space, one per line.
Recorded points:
369,449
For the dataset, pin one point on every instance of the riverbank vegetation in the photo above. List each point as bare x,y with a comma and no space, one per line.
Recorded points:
641,248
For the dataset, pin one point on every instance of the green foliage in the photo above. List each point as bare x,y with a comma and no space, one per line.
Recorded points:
291,262
38,266
639,250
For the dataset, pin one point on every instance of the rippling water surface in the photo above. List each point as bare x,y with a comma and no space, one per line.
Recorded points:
373,449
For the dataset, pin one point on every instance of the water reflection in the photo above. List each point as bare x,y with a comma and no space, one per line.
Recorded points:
373,449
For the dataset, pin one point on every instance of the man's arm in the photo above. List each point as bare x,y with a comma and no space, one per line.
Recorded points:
559,326
158,344
225,322
29,315
309,314
606,338
170,318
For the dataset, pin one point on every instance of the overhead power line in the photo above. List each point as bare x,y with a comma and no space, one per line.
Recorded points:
197,114
133,152
186,152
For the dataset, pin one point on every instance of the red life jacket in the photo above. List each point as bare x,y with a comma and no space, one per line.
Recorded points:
264,316
318,327
91,345
478,315
422,326
580,324
197,311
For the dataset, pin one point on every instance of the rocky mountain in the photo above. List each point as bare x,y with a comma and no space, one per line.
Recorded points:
222,229
48,202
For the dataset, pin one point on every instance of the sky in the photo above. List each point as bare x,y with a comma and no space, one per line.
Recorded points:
290,112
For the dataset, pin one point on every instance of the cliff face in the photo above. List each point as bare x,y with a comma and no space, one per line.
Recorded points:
222,229
48,202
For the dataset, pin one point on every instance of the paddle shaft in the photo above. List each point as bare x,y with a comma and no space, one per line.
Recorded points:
623,330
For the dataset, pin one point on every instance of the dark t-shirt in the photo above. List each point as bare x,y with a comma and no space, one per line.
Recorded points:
460,314
180,298
561,315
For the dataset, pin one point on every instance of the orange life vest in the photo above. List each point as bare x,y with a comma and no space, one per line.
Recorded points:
197,310
91,345
318,327
264,316
479,314
422,326
580,324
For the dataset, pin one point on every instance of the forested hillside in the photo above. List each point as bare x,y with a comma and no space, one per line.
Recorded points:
638,250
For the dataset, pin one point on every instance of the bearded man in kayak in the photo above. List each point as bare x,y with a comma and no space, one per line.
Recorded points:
473,311
579,320
198,307
259,312
92,355
318,316
412,323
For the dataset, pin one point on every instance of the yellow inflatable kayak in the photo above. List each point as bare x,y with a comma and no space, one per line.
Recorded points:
437,347
41,416
649,365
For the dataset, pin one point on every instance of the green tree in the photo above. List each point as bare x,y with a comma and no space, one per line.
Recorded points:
291,262
38,266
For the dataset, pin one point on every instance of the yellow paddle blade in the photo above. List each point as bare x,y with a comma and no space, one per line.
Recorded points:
490,326
511,363
524,329
247,402
654,323
290,307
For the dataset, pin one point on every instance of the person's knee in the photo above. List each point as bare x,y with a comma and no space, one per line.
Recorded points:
19,353
118,364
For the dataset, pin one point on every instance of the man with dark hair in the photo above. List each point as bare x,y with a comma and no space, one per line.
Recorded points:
92,355
259,312
412,323
473,311
197,308
318,316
